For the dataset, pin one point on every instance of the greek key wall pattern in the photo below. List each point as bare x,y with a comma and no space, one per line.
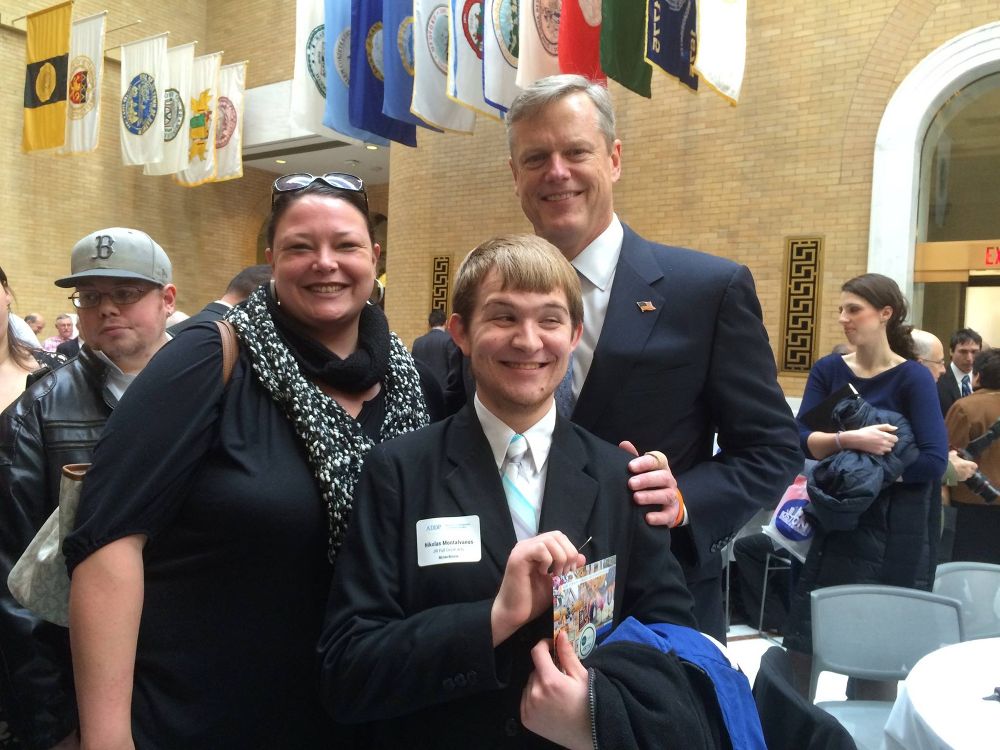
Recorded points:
440,282
803,258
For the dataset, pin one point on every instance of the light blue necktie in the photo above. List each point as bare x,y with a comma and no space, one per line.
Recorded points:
966,386
522,510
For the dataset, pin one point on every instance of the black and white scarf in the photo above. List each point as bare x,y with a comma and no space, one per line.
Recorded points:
334,442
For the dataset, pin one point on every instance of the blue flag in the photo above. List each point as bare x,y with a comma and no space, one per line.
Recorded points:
397,55
670,39
367,90
338,72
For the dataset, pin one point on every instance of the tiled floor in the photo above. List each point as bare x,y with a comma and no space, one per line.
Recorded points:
746,646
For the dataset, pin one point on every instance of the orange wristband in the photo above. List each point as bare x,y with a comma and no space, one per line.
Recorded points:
679,519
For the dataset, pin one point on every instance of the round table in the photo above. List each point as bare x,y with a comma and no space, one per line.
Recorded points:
940,704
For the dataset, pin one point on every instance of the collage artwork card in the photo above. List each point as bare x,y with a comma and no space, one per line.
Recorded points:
583,604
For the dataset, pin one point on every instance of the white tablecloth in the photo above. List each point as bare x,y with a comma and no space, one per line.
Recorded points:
940,704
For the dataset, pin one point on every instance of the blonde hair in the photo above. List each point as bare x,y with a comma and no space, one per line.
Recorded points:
524,263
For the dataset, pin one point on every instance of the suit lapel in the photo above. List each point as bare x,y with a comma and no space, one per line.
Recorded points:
570,493
626,327
474,484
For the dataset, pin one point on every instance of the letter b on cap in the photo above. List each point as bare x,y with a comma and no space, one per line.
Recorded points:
105,247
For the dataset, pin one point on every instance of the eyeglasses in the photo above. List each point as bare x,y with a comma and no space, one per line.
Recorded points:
293,183
932,361
120,295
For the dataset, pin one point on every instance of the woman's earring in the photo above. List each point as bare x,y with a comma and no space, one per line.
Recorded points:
274,293
379,291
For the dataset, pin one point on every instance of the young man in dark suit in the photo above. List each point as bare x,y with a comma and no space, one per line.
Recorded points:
441,603
673,351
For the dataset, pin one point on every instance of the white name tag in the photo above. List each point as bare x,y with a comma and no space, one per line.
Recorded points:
448,540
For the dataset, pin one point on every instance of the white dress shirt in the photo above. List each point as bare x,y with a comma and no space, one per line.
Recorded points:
595,265
958,375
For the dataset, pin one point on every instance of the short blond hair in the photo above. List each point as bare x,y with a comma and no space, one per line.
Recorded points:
525,263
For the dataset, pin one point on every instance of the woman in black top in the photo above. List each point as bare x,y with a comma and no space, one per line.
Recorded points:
201,560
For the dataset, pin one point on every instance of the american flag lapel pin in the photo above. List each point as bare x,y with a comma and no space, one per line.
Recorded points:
646,306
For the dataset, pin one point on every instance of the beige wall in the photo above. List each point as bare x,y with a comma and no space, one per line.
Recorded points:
793,158
49,202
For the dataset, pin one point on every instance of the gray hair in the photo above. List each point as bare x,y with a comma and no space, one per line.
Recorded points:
922,342
545,91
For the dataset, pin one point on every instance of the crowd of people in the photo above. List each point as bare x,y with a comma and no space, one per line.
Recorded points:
325,541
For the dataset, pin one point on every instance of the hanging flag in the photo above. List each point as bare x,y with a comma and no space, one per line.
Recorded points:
430,79
623,35
500,49
538,40
229,122
338,74
670,38
47,60
722,45
366,91
465,56
202,121
397,60
85,74
143,75
580,39
176,99
309,74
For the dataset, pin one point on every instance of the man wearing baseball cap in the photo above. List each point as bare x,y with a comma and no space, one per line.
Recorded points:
123,295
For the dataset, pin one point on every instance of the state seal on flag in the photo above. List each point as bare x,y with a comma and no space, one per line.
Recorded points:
547,22
437,36
81,93
342,56
225,122
316,59
140,104
404,43
173,114
472,25
373,49
505,29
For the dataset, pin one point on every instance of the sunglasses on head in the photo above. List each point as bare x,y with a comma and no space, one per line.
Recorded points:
293,183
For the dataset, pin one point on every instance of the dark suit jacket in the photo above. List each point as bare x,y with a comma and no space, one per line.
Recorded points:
211,311
69,349
948,390
411,647
434,349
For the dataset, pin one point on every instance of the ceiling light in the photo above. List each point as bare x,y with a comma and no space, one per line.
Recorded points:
371,147
280,161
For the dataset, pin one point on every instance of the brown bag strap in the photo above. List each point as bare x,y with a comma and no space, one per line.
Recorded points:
230,349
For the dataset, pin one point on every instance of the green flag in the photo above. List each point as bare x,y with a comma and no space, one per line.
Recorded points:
623,44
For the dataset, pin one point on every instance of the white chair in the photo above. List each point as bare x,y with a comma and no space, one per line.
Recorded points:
977,588
876,633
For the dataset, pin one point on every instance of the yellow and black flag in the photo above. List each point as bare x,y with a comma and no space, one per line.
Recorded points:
45,77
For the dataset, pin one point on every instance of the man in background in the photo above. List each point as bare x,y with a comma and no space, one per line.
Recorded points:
238,290
965,345
64,328
35,321
124,295
435,347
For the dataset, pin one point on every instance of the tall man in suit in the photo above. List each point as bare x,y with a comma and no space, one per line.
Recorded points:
673,349
238,290
956,382
442,594
435,347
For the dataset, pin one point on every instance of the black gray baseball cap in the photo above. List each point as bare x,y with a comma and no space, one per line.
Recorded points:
119,253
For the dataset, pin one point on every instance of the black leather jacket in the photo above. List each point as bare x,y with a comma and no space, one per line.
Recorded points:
57,421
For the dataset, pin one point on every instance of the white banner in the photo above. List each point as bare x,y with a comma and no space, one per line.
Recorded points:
722,45
229,123
430,70
500,40
309,73
538,40
176,101
86,73
144,72
202,120
465,56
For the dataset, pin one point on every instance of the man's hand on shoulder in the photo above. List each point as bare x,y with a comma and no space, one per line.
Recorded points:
654,484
